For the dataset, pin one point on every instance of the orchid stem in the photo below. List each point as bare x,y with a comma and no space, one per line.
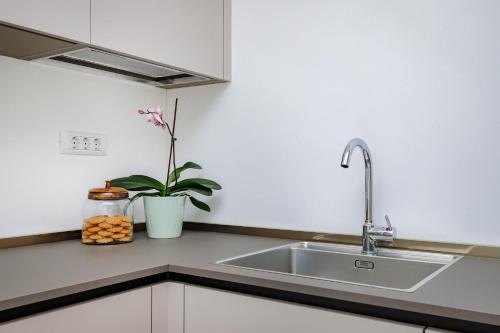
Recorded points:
171,155
173,139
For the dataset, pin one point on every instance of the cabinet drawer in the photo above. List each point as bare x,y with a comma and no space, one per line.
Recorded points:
209,310
128,312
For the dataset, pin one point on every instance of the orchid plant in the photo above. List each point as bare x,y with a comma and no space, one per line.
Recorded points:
148,186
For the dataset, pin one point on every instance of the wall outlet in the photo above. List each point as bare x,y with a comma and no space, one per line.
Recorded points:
82,143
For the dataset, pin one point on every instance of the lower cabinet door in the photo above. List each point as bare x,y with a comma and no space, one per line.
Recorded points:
209,310
127,312
167,308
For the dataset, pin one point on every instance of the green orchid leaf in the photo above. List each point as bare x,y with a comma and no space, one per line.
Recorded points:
177,172
202,181
199,204
144,194
138,183
129,184
141,189
149,181
192,187
199,182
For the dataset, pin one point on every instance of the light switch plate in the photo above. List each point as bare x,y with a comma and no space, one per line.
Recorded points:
82,143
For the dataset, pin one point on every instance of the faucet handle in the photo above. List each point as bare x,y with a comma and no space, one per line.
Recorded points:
386,234
388,221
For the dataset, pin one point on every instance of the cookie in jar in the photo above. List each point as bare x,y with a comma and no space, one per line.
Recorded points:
107,217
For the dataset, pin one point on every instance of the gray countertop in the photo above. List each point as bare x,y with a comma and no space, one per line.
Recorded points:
468,290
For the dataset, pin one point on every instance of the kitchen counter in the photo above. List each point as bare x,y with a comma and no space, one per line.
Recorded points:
468,290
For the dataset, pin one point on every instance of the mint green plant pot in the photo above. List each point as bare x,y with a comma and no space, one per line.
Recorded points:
164,216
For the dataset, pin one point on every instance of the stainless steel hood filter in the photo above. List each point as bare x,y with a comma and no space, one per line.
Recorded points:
125,66
28,45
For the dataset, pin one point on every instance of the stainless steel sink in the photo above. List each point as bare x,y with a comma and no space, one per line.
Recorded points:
389,269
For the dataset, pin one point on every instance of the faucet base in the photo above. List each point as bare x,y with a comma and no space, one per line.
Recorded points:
372,234
369,253
368,244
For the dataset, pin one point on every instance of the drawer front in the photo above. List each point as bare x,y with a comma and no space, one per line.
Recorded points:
128,312
209,310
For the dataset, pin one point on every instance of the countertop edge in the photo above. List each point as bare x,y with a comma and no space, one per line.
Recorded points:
77,288
364,299
409,306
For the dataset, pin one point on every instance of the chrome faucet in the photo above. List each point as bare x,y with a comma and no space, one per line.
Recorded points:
371,232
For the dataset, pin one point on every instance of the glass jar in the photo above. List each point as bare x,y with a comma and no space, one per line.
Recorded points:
107,217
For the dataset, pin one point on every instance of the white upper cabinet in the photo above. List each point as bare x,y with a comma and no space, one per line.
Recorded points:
187,34
69,19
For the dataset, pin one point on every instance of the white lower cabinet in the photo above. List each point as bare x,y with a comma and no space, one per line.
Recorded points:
209,310
127,312
173,307
167,308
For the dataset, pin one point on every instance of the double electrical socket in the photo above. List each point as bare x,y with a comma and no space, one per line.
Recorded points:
82,143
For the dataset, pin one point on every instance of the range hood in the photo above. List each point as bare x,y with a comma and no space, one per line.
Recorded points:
27,45
96,60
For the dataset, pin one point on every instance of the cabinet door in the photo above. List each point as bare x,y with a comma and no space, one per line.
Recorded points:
435,330
128,312
64,18
209,310
188,34
167,307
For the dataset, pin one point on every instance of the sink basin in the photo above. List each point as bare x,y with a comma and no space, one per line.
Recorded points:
390,269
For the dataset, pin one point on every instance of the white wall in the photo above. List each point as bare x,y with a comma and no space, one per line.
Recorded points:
43,191
417,79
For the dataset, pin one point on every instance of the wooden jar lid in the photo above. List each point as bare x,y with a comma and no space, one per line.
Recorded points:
108,193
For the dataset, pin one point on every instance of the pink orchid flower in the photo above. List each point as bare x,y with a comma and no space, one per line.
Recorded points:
155,117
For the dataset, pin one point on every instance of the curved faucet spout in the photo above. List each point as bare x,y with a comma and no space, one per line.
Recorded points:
356,142
371,233
346,159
